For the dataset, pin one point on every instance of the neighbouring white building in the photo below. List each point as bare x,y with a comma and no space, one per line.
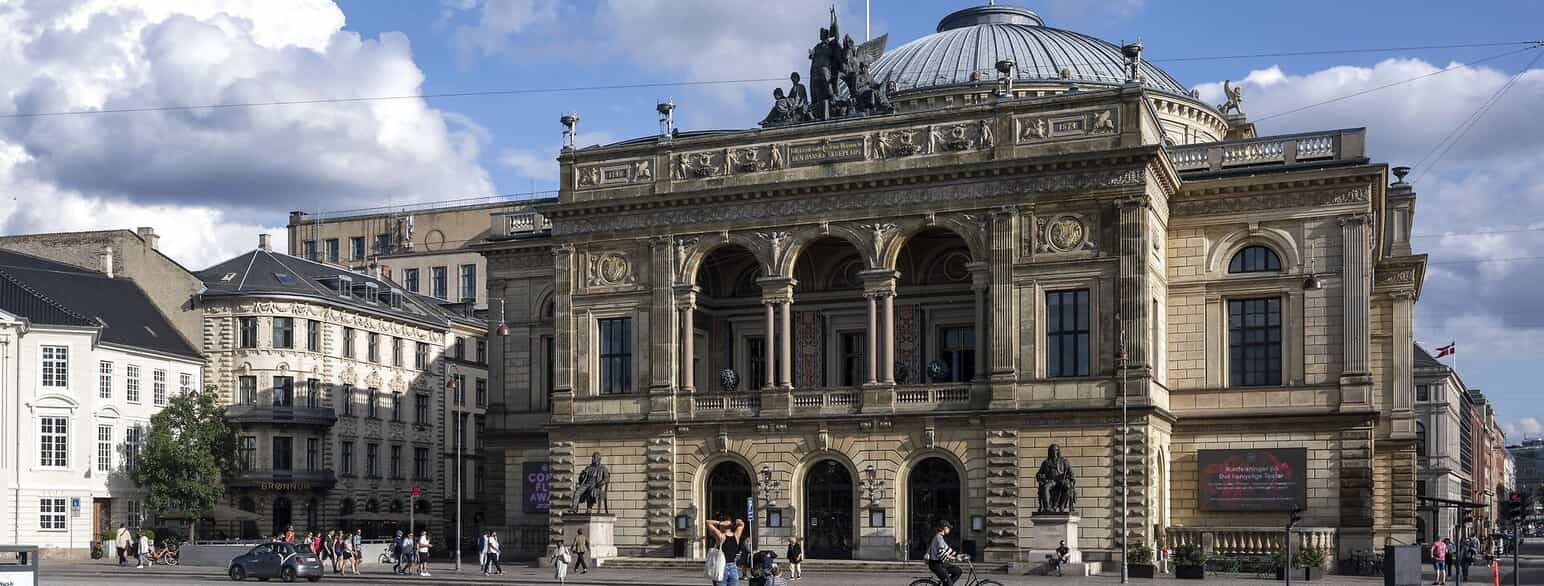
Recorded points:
85,360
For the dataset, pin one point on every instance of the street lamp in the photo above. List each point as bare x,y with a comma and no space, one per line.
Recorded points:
1125,430
503,329
450,383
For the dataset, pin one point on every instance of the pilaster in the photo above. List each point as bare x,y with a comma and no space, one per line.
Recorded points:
1003,330
664,360
563,335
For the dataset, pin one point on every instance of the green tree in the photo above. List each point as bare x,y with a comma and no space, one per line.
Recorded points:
188,451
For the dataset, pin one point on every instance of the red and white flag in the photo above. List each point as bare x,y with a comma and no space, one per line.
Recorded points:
1451,348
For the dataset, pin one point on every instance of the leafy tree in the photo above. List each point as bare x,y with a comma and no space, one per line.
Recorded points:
187,452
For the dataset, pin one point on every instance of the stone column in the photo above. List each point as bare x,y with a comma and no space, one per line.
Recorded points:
563,335
1354,259
887,362
785,344
980,282
771,370
879,287
872,336
686,303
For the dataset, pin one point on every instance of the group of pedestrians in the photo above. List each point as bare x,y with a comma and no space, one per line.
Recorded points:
135,543
341,548
564,556
409,554
1450,560
488,553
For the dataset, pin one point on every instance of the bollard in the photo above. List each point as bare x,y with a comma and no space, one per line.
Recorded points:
1495,572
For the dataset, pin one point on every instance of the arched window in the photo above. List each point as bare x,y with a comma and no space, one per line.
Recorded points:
1255,259
1420,440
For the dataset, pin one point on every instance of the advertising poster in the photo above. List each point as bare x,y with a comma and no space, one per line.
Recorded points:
1261,479
536,486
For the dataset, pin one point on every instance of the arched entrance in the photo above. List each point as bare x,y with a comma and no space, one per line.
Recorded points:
828,511
729,485
248,526
932,495
283,514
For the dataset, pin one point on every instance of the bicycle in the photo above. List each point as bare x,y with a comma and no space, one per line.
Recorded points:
970,577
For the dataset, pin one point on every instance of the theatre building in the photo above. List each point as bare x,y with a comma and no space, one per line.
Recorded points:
861,321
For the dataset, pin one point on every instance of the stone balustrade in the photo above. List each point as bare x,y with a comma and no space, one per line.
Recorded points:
1245,541
1276,150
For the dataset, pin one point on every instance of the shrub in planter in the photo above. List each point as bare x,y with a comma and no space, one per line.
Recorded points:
1189,562
1307,564
1139,561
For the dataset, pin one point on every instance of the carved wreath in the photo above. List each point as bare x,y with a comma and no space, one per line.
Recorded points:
1065,233
609,268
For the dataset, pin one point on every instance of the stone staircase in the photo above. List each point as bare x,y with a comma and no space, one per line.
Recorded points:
810,566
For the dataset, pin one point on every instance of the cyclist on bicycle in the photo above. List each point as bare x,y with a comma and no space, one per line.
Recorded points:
939,554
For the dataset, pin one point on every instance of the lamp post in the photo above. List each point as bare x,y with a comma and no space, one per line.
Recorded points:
451,383
1125,430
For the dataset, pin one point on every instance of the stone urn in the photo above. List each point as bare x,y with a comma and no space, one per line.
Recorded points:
728,380
937,371
901,372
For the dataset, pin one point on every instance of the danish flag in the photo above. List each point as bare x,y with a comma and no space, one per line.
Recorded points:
1451,348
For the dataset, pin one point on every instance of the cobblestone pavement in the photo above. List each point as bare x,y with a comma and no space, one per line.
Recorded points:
73,573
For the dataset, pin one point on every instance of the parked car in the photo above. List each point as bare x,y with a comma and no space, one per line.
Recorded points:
284,561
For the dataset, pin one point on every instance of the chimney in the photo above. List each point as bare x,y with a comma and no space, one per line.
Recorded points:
148,234
262,242
105,256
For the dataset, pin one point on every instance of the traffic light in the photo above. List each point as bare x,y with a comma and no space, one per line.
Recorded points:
1515,504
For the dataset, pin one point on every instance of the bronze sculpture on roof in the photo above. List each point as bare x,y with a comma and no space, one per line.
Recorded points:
836,63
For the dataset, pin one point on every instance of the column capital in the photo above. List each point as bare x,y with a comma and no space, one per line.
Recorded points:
878,282
776,289
980,274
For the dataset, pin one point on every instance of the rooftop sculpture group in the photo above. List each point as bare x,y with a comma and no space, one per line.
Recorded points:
835,61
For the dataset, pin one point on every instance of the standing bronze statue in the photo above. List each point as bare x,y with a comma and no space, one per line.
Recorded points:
1058,489
590,488
836,61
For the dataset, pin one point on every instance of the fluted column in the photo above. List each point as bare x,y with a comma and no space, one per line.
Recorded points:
1355,256
872,336
785,343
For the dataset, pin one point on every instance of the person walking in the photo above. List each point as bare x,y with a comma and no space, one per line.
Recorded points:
143,549
939,554
560,562
357,547
423,552
396,552
122,542
1452,558
493,553
728,536
581,549
795,558
482,551
1439,551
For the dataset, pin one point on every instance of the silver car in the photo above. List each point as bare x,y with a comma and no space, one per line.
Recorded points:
285,561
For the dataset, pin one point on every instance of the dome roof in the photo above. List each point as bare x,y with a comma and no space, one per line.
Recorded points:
973,40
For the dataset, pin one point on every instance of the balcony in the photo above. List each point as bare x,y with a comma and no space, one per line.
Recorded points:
520,223
1273,151
283,480
250,414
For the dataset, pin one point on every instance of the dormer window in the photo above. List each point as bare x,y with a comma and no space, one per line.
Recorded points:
345,286
372,292
1255,259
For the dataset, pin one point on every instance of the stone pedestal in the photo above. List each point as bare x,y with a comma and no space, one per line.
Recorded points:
1049,531
597,527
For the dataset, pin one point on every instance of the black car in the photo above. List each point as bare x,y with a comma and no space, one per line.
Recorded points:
284,561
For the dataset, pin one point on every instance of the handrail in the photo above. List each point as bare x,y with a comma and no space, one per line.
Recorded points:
1272,150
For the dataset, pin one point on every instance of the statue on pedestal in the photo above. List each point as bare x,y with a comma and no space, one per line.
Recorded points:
1058,489
590,488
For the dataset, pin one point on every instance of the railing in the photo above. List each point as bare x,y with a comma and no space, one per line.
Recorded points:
1275,150
915,395
843,399
279,414
728,402
525,222
1253,540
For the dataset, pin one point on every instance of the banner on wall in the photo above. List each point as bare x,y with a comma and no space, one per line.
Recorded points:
536,482
1259,479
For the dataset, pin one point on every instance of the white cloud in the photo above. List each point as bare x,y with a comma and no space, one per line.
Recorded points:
529,164
1527,427
497,21
214,173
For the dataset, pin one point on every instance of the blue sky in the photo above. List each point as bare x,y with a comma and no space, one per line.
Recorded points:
212,180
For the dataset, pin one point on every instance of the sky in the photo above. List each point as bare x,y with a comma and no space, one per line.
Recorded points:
210,179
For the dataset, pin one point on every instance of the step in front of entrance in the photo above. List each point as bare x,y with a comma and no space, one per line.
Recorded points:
810,566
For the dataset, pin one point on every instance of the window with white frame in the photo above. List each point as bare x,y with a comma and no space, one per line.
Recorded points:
132,438
51,514
131,383
158,387
54,442
136,514
105,380
185,384
56,366
104,455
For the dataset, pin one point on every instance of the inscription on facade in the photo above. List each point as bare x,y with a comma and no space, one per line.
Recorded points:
826,151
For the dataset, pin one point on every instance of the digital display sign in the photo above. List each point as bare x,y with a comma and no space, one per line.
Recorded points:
1260,479
537,491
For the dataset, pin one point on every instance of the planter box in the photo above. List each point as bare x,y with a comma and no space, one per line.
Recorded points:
1190,572
1302,574
1141,570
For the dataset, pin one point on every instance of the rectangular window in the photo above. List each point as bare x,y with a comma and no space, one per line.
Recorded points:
348,342
56,366
957,350
421,463
437,282
313,336
158,387
482,392
283,447
283,332
136,513
133,437
332,250
104,455
356,247
421,408
458,387
373,460
396,407
131,383
756,361
396,461
373,347
284,391
468,283
421,356
246,390
347,457
247,327
410,279
313,393
1423,392
854,347
309,248
396,352
313,454
477,428
1254,342
458,348
1066,333
51,514
482,351
105,380
372,396
346,397
383,243
185,384
616,355
246,452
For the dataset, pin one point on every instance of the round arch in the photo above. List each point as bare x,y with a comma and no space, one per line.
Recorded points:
701,510
903,489
801,239
1279,241
690,258
830,527
970,232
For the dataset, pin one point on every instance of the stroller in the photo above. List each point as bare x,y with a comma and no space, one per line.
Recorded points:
761,567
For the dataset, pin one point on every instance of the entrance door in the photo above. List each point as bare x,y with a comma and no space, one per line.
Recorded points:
932,495
283,515
828,511
102,515
729,484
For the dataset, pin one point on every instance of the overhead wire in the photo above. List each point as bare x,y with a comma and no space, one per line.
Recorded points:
1474,119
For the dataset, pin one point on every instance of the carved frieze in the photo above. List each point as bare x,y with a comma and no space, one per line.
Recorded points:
1290,199
613,173
1055,126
